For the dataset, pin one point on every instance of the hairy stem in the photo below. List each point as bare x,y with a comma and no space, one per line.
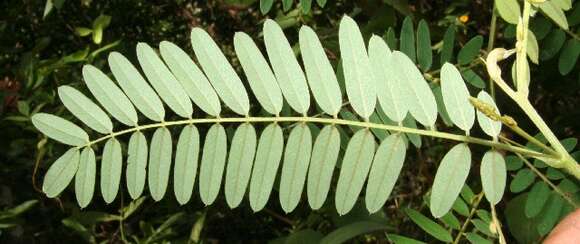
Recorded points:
437,134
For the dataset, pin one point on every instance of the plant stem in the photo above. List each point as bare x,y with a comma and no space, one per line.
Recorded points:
490,44
476,202
334,121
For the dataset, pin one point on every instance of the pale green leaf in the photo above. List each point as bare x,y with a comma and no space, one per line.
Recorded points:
111,169
136,164
470,51
213,163
347,232
61,173
429,226
551,9
268,155
385,170
563,4
493,176
240,161
85,177
60,129
509,10
408,38
355,167
186,159
163,81
191,78
358,75
321,76
289,75
416,93
109,95
489,126
136,88
424,53
259,74
159,163
220,72
85,110
537,198
456,98
448,44
324,156
532,48
449,179
388,87
295,166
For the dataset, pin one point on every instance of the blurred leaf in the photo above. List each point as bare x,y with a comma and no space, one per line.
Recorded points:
305,5
424,53
552,44
476,239
321,3
266,5
448,44
550,214
473,78
569,56
397,239
538,196
307,236
555,13
391,38
350,231
83,31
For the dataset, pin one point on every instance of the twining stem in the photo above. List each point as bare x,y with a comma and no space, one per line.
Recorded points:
437,134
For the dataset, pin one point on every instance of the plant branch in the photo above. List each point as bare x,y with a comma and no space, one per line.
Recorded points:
476,202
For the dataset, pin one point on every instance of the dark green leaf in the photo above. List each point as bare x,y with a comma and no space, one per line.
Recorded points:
429,225
470,51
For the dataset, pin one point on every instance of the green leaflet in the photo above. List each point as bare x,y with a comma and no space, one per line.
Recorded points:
351,230
265,6
239,168
111,168
85,110
532,48
416,93
388,87
136,88
136,164
159,162
321,3
493,176
259,74
474,238
305,5
61,173
523,179
295,166
213,162
185,168
489,126
569,56
470,51
448,44
60,129
424,54
289,75
473,78
355,167
85,177
163,81
190,77
387,165
358,75
391,38
537,198
429,226
456,98
220,72
397,239
268,155
408,38
321,76
563,4
552,44
109,95
441,106
551,214
449,179
509,10
324,156
286,4
550,9
450,220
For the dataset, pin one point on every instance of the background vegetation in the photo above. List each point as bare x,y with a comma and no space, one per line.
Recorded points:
44,45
